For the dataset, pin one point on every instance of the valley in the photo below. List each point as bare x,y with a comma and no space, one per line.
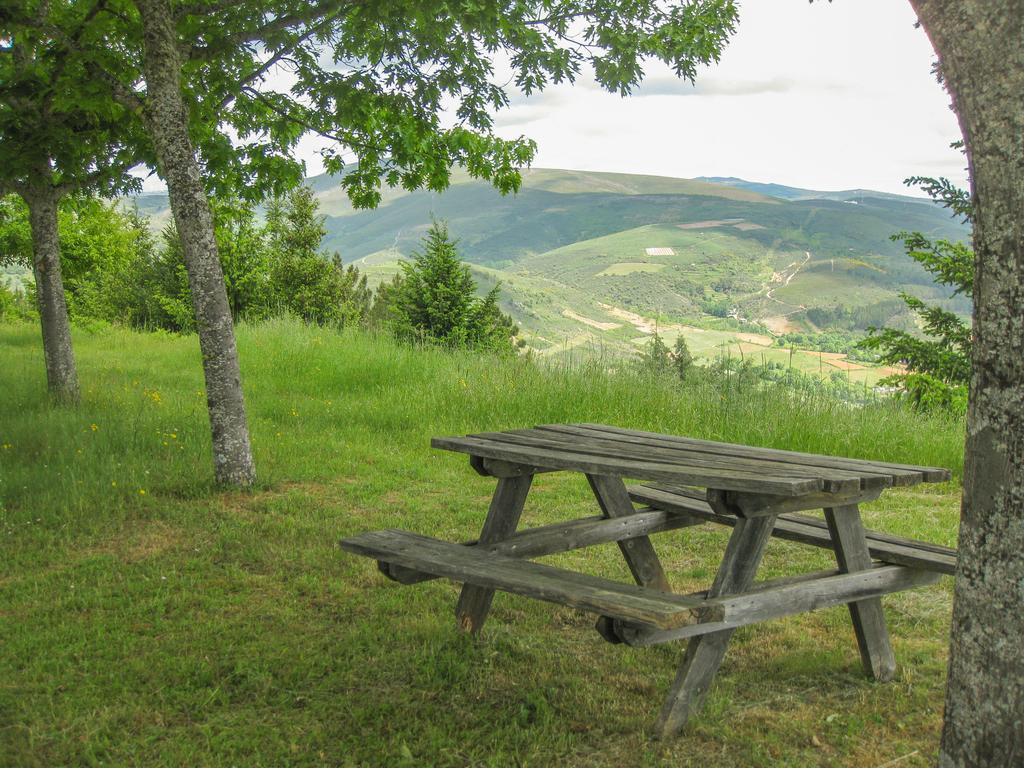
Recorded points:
594,263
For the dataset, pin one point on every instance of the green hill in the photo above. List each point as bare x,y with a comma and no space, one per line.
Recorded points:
689,252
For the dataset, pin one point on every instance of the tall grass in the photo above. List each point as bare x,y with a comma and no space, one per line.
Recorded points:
315,394
321,404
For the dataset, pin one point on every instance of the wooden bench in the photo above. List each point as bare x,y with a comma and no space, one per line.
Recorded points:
757,492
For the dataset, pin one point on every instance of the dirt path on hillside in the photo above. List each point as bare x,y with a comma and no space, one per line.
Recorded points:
784,278
776,325
588,321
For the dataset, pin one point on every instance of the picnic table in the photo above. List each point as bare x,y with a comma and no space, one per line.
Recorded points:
758,492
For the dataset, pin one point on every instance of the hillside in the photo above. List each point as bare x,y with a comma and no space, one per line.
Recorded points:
575,250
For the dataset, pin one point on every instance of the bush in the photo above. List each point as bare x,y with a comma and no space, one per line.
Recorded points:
115,271
939,365
14,305
306,282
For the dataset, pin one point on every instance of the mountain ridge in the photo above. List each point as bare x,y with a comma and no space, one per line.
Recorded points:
786,192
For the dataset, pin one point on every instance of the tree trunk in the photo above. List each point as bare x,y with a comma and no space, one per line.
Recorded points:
166,119
61,375
980,44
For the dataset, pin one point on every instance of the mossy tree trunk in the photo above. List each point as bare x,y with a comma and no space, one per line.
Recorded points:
61,373
980,44
166,119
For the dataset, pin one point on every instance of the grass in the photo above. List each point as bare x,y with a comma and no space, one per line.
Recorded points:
147,618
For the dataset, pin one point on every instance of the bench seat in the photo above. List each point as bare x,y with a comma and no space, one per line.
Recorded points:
473,565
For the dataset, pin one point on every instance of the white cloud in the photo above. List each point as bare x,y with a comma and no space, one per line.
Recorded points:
822,95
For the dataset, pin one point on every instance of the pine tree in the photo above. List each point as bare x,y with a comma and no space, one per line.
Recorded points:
655,357
306,282
435,301
939,365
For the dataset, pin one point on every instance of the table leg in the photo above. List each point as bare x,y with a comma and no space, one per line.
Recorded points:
502,518
613,498
704,654
851,547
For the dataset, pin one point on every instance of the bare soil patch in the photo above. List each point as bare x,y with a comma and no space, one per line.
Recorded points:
756,338
779,324
592,323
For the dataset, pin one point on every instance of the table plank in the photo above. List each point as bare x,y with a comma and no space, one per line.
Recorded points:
808,530
872,475
774,599
835,480
928,474
779,484
473,566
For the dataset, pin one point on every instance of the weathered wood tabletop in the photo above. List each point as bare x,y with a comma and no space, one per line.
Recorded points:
756,491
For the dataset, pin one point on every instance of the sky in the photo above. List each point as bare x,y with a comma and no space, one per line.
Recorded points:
823,96
817,95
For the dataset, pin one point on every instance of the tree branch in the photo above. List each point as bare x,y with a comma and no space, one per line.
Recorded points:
205,9
76,40
261,70
122,93
316,11
253,93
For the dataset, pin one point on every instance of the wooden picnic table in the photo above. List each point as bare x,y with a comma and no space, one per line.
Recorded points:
756,491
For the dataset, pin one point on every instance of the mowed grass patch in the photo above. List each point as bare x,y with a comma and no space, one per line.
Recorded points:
147,618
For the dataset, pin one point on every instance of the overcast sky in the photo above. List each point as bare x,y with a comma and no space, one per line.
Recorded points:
825,96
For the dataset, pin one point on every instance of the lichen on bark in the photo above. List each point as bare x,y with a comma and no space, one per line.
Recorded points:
166,119
58,354
980,44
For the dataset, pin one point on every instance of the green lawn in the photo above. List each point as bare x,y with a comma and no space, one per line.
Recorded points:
148,619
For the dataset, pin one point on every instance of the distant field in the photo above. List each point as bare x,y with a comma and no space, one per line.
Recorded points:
570,322
707,345
685,250
820,288
578,253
